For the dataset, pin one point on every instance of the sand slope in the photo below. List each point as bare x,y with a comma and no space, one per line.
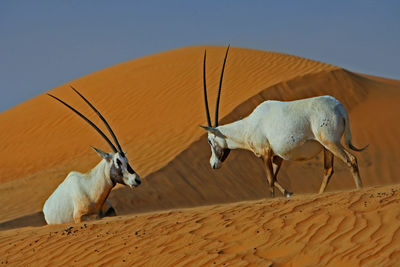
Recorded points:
155,105
356,228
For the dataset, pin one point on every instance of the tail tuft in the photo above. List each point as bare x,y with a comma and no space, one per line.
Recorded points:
347,133
357,149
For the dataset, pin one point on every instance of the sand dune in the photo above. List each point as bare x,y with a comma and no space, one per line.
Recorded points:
372,107
356,228
143,100
155,105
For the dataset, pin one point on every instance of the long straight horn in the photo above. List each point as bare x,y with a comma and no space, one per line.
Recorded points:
88,121
205,91
219,89
102,118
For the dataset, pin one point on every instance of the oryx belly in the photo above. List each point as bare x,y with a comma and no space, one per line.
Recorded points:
299,151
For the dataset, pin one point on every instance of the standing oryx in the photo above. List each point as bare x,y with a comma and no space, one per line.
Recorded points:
292,130
85,194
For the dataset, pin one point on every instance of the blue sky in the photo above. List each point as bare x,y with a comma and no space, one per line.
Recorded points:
44,44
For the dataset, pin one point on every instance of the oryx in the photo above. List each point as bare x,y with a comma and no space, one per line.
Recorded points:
285,130
82,194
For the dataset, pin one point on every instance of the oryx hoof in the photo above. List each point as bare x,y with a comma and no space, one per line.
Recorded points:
288,194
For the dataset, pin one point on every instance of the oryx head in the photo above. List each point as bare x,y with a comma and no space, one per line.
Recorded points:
119,169
217,141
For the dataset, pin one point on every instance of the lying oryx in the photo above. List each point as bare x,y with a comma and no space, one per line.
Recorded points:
292,130
82,194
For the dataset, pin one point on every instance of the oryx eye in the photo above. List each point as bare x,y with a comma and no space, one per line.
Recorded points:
209,142
119,163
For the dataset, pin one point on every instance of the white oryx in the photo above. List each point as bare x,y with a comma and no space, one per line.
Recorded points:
291,130
84,194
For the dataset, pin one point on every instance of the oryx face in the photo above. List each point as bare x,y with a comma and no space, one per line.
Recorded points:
219,150
121,171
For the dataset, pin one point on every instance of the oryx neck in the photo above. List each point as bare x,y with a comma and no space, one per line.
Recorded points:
101,173
99,183
235,133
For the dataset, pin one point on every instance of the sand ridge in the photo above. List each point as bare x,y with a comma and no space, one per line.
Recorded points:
360,228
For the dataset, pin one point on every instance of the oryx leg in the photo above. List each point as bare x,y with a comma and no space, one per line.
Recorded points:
354,169
271,175
349,159
81,209
77,216
107,210
328,169
277,163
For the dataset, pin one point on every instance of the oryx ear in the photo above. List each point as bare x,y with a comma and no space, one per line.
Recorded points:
214,131
102,154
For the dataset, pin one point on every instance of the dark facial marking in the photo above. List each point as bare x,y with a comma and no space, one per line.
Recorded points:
119,163
221,153
225,154
130,170
116,175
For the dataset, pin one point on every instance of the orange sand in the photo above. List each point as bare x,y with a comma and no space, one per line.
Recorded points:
155,105
356,228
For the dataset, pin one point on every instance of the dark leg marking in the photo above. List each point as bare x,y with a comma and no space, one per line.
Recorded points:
328,169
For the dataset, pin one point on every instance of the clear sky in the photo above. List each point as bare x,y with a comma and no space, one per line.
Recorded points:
44,44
